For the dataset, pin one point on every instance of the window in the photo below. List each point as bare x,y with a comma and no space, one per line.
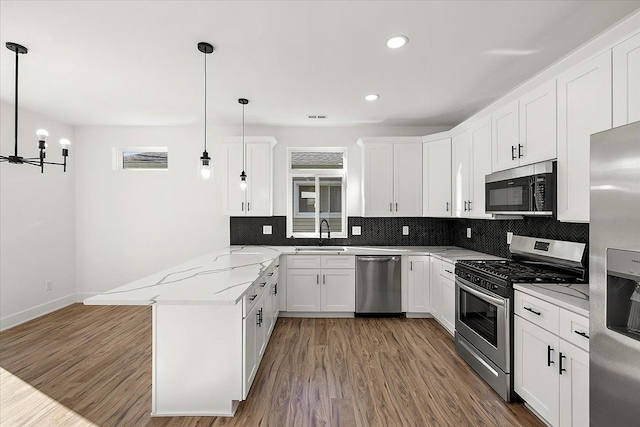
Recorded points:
316,192
141,158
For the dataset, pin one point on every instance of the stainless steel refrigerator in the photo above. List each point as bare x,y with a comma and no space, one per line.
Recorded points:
614,277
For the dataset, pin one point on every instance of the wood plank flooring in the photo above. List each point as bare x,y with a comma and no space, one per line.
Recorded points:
91,365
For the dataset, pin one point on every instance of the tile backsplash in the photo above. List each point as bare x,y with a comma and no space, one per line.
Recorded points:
488,236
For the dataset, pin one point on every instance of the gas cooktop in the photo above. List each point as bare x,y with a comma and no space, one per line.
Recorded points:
519,272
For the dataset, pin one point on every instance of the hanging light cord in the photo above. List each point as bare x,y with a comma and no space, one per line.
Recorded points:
244,146
15,116
205,102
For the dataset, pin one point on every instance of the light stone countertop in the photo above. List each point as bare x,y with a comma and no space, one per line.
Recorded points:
573,297
224,276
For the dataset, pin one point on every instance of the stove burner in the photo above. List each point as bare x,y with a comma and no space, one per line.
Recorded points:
517,272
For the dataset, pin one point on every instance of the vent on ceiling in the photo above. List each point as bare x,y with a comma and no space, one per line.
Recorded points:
316,117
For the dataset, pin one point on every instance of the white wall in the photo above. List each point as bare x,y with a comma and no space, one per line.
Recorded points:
134,223
37,221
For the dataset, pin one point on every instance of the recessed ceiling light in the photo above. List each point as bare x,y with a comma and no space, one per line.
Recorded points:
397,42
371,97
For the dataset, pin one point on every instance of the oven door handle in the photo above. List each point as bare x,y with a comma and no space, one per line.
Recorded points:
481,295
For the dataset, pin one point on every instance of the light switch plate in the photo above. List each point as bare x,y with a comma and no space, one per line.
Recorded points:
509,237
405,230
468,232
356,230
267,229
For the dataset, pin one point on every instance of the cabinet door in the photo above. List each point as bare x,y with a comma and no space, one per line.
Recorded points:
448,307
259,189
537,380
626,81
303,290
378,179
574,386
461,152
436,187
418,289
338,290
435,291
506,140
538,124
480,166
234,196
250,352
407,179
584,108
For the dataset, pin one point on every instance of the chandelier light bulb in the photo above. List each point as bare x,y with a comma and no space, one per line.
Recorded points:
205,167
243,180
42,134
65,143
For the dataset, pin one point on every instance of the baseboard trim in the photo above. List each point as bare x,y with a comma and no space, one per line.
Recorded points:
80,297
317,314
35,312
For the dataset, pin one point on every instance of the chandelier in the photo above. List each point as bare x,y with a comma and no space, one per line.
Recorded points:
41,133
205,166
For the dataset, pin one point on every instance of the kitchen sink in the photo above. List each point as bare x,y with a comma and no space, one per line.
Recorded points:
320,249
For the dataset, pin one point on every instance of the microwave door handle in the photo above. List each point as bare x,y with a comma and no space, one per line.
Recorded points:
532,194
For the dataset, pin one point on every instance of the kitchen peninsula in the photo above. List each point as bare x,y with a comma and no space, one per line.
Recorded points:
213,317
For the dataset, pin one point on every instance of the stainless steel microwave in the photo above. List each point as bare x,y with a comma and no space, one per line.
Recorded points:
526,190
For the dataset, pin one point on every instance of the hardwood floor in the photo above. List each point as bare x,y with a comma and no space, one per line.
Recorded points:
91,365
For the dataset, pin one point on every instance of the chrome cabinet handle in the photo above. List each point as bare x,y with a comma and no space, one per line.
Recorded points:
469,204
275,288
537,313
262,285
317,279
242,207
465,205
561,369
248,206
324,277
252,297
390,207
549,361
450,272
396,207
410,265
513,152
582,334
447,206
520,147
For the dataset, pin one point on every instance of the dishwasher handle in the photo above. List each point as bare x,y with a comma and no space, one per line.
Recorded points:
378,258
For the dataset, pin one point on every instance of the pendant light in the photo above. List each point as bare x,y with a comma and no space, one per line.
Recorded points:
41,133
204,166
243,176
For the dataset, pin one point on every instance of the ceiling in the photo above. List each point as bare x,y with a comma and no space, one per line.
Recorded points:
136,62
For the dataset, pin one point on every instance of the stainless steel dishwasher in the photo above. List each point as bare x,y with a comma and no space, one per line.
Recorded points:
378,285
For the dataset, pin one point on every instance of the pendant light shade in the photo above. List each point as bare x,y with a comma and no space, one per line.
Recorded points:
243,175
205,166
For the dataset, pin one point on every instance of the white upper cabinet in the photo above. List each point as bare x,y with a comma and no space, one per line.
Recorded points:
471,151
436,185
626,81
538,117
392,184
506,139
524,131
584,108
257,198
460,178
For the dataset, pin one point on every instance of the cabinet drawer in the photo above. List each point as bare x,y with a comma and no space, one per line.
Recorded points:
338,261
538,312
249,299
303,261
446,270
574,328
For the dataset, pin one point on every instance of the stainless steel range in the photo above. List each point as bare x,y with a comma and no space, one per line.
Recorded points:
484,301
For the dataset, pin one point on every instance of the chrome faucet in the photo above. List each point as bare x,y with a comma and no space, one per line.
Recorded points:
324,221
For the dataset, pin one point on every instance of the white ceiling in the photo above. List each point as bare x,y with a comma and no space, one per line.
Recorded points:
136,62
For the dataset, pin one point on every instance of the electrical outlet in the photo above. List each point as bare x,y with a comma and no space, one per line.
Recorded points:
49,285
405,230
267,229
356,230
509,237
468,232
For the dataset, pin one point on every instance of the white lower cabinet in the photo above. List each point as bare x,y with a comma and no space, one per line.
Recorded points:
443,293
418,289
551,373
318,289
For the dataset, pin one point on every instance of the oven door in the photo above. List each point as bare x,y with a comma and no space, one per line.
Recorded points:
483,320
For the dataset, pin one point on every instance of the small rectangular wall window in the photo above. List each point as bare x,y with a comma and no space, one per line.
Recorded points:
141,158
317,192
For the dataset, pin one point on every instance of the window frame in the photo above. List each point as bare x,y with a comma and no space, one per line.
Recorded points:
316,175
